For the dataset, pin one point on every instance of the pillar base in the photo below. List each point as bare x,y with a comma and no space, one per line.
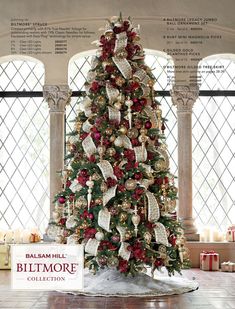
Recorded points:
192,237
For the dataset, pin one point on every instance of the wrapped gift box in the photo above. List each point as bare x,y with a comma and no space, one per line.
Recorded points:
5,256
209,260
230,235
228,266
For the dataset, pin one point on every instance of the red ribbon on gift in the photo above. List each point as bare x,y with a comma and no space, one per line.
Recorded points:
231,231
211,254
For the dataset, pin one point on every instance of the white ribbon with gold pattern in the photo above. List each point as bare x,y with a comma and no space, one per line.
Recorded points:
89,146
91,246
160,234
123,252
153,208
104,217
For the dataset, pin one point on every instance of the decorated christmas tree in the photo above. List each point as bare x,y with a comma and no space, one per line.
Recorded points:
118,196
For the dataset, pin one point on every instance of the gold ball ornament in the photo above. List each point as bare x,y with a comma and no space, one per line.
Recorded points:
111,151
130,184
128,235
132,133
101,150
125,205
123,130
113,261
112,138
147,237
123,217
95,176
143,131
100,100
78,125
160,165
103,187
56,215
118,105
59,239
109,131
81,202
98,201
120,81
151,82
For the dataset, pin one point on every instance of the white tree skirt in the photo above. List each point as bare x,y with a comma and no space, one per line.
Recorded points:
110,282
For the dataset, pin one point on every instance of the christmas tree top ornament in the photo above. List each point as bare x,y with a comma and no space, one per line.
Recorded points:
117,175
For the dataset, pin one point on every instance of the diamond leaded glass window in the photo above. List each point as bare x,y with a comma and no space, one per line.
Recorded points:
24,148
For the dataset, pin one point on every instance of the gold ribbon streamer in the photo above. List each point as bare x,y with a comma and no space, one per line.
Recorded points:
91,246
160,234
88,146
153,208
104,217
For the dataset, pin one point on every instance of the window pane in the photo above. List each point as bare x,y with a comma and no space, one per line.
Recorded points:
213,150
24,149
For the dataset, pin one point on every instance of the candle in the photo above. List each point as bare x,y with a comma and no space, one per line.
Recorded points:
207,233
17,236
214,235
26,236
8,237
2,235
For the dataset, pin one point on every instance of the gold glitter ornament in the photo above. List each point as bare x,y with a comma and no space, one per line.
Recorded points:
109,131
130,184
118,105
120,81
123,130
103,187
143,131
123,217
98,201
132,133
128,235
147,237
95,176
125,205
100,100
111,151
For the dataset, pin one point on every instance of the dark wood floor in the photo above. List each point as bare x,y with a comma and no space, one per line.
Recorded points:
217,290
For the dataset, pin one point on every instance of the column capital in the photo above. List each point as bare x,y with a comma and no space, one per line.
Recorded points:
184,97
57,96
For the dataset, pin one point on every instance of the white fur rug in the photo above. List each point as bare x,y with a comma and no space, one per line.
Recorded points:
110,282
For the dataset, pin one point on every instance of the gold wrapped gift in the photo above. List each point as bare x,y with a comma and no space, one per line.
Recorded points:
5,256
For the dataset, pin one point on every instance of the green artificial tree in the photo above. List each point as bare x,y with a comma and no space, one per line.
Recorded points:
118,196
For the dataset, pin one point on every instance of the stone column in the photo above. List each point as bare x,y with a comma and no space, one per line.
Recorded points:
57,97
184,97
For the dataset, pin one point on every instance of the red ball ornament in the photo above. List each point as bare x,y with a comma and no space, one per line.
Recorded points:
115,238
61,199
90,216
158,262
138,176
148,124
97,136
